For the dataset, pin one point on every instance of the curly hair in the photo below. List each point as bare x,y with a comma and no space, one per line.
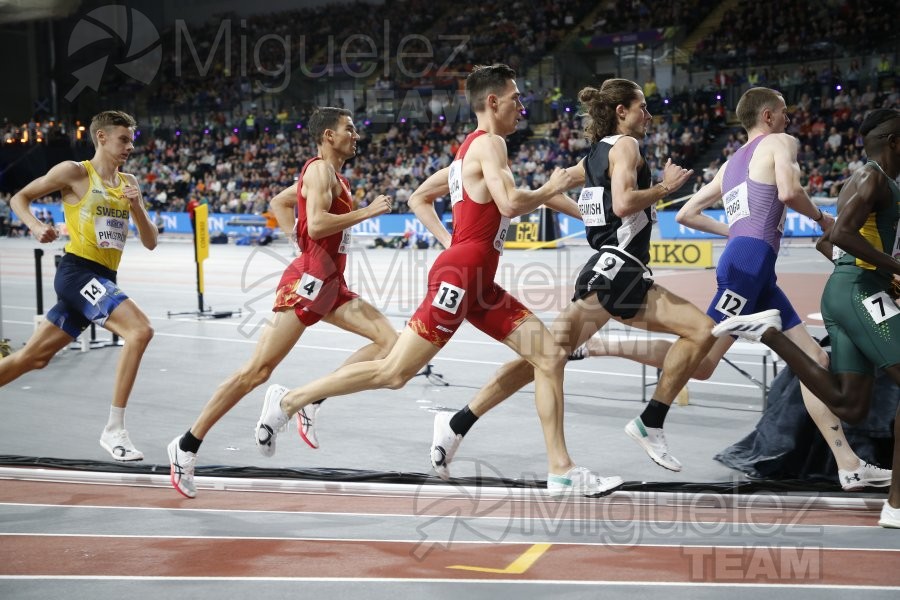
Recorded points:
599,105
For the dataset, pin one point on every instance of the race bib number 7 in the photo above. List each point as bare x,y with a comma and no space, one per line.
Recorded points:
881,307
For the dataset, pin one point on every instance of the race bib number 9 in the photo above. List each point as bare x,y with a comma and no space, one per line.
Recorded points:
449,297
590,205
737,206
731,304
309,286
609,265
881,307
93,291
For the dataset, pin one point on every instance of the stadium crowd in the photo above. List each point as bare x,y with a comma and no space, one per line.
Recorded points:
202,137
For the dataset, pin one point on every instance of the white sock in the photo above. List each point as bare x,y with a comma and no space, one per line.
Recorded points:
116,419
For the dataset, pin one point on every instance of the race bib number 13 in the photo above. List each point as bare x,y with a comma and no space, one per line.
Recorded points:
448,297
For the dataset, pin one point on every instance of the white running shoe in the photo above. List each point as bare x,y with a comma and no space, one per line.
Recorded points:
578,481
306,424
272,420
653,441
444,444
749,327
580,353
181,469
867,475
890,516
119,445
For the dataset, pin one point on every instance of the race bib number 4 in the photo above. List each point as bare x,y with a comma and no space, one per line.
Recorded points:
731,303
590,205
309,286
609,265
736,204
881,307
449,297
93,291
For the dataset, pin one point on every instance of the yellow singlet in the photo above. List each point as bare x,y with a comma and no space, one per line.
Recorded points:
98,224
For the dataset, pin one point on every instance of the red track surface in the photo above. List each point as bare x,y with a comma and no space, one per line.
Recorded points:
219,555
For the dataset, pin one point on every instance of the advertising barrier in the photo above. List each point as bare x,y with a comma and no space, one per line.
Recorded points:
795,225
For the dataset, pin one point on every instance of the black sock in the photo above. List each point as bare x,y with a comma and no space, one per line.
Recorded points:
462,421
655,414
320,401
189,443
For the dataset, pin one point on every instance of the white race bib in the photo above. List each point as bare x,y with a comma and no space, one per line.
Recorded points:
500,238
449,297
455,181
881,307
93,291
590,205
111,232
731,303
345,242
836,252
783,219
609,265
309,286
736,203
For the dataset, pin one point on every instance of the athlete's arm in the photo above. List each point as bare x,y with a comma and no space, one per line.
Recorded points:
563,203
624,162
146,229
691,214
283,205
422,204
57,179
868,191
511,201
318,184
825,247
787,180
